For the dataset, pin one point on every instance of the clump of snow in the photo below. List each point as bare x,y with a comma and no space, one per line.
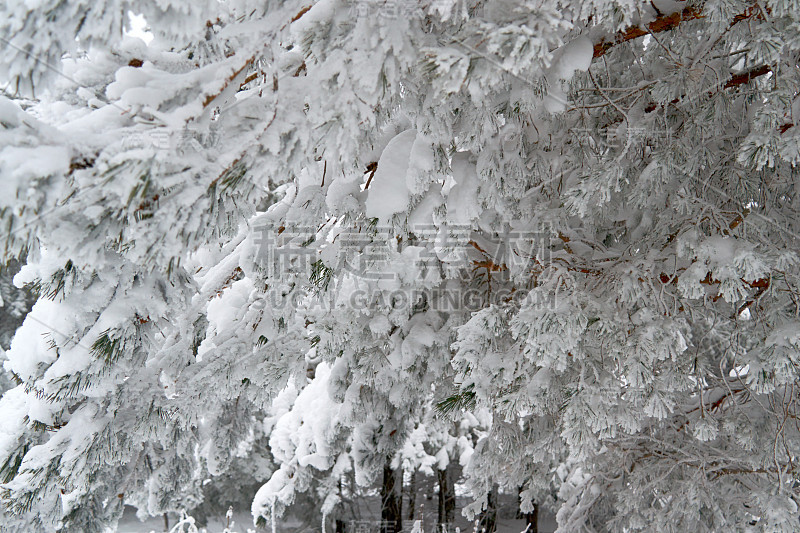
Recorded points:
463,206
13,409
380,325
388,192
421,217
29,347
573,56
19,164
300,438
421,165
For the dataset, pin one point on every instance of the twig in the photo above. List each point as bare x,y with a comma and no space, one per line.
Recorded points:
372,167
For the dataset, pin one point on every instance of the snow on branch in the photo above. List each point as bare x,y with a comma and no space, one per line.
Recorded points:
663,23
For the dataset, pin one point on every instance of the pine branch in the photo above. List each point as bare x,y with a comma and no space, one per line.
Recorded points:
762,285
302,12
734,81
372,168
664,23
660,24
210,98
746,76
462,400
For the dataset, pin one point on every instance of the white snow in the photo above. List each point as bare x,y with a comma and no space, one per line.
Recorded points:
575,56
463,206
300,438
13,409
388,192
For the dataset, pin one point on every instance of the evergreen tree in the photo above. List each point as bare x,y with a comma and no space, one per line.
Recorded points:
317,224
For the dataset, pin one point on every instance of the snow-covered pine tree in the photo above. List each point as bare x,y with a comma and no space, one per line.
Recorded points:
637,325
97,421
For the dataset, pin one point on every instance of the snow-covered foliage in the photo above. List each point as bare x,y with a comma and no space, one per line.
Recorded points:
15,303
553,242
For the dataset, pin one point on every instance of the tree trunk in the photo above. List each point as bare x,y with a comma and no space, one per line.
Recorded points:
447,497
531,519
401,477
391,517
412,495
339,524
488,523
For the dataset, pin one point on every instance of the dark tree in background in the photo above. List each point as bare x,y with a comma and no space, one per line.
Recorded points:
391,506
447,495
